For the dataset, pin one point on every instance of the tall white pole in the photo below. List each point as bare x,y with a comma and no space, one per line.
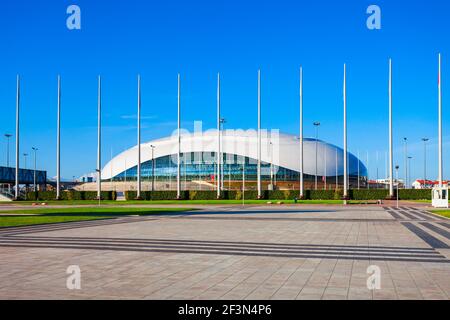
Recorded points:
325,168
440,124
302,191
179,141
138,194
58,144
218,154
337,177
345,134
99,139
16,195
259,136
391,151
368,170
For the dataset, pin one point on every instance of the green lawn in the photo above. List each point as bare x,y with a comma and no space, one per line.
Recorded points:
15,221
57,215
444,213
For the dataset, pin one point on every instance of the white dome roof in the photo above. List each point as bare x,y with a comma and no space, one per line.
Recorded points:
282,150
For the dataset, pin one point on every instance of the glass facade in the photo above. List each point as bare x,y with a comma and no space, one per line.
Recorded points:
202,167
26,176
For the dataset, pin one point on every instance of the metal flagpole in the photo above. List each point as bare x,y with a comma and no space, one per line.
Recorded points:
34,173
58,144
391,152
325,168
259,136
337,177
440,124
345,134
386,174
301,136
16,196
138,193
218,153
368,179
179,141
377,166
99,139
425,140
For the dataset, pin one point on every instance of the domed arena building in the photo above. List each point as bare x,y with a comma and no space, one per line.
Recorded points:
280,163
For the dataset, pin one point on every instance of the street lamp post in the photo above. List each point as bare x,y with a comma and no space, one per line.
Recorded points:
34,174
425,140
398,184
317,125
409,170
406,161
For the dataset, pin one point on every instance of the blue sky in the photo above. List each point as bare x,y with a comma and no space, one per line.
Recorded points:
158,39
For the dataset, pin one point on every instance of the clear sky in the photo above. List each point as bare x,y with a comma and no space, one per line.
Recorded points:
158,39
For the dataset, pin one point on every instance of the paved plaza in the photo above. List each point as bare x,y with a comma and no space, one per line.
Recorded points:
227,252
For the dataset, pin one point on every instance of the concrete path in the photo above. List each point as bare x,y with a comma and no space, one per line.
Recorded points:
227,252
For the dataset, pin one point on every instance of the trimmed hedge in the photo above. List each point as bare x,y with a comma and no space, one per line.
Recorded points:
414,194
368,194
362,194
156,195
70,195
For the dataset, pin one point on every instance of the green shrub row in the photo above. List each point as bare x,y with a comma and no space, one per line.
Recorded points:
70,195
415,194
368,194
362,194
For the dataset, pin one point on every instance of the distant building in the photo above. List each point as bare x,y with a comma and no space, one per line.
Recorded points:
426,184
384,183
87,178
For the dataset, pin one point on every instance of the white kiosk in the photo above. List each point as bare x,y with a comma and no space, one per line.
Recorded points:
440,197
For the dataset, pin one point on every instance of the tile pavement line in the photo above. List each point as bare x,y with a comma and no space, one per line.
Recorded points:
394,214
261,245
429,239
219,249
436,229
284,219
436,258
426,216
444,224
409,215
